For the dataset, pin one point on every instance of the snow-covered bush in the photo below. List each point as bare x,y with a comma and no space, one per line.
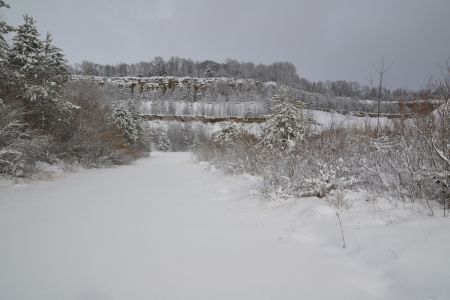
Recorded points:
397,164
20,148
160,139
330,177
202,145
91,139
231,147
228,133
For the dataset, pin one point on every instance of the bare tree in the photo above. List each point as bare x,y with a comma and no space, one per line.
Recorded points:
441,142
381,71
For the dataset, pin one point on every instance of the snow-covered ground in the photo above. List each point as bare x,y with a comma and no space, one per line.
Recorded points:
241,109
325,119
170,228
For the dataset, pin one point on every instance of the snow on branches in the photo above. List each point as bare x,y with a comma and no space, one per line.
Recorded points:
125,121
42,71
287,125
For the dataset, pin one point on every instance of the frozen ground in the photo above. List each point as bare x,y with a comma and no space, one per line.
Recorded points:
325,119
167,228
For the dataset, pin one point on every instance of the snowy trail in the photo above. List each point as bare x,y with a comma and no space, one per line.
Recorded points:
166,229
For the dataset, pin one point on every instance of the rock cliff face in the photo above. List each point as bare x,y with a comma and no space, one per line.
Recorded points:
225,97
215,97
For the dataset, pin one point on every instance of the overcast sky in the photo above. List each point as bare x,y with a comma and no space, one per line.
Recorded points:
325,39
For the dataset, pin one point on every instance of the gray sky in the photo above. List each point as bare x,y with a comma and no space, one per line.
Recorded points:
325,39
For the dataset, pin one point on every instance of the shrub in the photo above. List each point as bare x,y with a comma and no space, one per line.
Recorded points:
92,139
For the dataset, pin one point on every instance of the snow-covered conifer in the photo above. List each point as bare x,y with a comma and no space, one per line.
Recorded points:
55,68
134,107
124,120
160,66
41,69
163,141
229,132
287,125
27,52
6,74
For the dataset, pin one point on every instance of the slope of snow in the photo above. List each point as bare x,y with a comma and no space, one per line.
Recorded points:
168,228
326,119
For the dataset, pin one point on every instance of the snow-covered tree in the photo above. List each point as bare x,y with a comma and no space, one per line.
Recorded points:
287,125
55,68
127,124
4,29
162,140
6,74
134,107
27,52
42,72
127,117
160,66
228,133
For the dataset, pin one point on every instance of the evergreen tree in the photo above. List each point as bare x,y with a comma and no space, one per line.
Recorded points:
287,125
56,69
162,140
42,72
26,55
6,74
160,66
127,124
55,75
228,133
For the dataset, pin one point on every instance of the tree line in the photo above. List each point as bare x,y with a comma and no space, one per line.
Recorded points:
281,72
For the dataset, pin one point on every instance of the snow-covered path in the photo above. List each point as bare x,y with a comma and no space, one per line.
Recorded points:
166,229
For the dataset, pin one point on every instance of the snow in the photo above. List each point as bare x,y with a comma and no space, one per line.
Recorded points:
170,228
209,128
210,109
252,108
325,119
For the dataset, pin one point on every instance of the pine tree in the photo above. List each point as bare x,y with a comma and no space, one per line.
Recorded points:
124,120
27,52
4,29
160,66
287,125
55,74
6,74
56,70
228,133
26,58
42,72
162,140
